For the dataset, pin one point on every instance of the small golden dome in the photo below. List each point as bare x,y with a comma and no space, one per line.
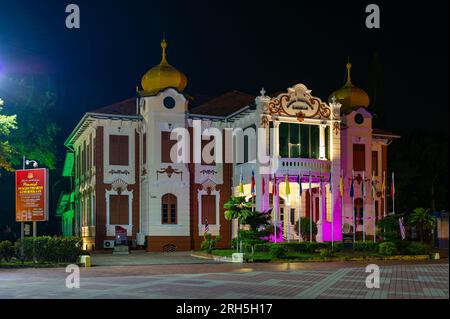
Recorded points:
350,96
163,76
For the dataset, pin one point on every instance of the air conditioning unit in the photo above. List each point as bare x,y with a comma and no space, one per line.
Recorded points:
108,244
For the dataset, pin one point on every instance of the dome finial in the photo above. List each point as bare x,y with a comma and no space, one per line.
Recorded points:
164,46
349,67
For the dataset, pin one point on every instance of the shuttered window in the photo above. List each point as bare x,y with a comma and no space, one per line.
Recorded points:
359,151
169,209
118,150
118,210
166,146
209,209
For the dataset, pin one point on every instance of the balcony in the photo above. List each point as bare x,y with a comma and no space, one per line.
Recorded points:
303,165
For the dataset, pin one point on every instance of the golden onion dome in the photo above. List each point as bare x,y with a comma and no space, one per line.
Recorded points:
163,76
350,96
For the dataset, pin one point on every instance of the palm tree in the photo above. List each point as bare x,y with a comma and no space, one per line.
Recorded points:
422,219
237,208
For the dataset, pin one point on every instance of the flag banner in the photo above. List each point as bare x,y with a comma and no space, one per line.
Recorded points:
341,185
402,228
392,186
253,183
300,189
352,191
241,184
331,187
383,187
288,187
363,187
274,185
374,188
263,185
206,225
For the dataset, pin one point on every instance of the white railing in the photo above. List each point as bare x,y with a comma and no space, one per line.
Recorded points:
303,165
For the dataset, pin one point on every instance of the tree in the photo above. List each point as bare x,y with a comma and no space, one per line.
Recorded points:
32,98
237,208
422,219
8,123
305,228
259,223
389,228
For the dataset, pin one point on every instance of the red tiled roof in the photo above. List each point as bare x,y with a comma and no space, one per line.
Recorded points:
126,107
224,104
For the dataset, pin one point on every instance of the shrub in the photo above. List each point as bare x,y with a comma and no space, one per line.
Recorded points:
262,248
325,252
387,248
366,246
209,243
50,249
416,248
278,251
6,250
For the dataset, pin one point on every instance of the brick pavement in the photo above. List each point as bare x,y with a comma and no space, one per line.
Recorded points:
225,281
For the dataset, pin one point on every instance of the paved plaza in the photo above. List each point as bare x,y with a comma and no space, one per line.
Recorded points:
232,281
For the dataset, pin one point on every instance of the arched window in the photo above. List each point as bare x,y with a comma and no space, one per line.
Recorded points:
169,209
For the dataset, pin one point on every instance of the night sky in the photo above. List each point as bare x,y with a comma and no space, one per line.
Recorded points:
230,45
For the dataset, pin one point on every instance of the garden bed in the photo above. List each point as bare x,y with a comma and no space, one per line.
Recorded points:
225,255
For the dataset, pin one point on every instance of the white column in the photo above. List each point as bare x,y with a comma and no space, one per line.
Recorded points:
276,139
276,208
322,148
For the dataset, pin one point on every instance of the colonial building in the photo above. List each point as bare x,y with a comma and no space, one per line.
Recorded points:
124,172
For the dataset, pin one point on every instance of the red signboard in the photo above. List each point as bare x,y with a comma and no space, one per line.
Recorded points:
31,195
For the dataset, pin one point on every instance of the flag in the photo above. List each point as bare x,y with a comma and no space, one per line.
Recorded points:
300,189
352,191
263,185
288,187
374,189
331,187
383,187
274,185
206,225
310,181
392,186
341,185
402,228
253,183
363,186
241,183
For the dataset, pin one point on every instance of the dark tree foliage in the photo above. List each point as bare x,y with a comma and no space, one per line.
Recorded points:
420,162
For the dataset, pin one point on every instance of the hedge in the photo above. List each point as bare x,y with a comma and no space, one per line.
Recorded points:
50,249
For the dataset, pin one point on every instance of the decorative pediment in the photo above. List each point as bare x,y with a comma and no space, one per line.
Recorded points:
298,102
209,185
119,185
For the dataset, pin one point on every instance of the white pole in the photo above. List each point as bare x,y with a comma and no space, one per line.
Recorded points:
332,216
276,204
310,209
363,210
353,210
384,195
393,195
299,208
